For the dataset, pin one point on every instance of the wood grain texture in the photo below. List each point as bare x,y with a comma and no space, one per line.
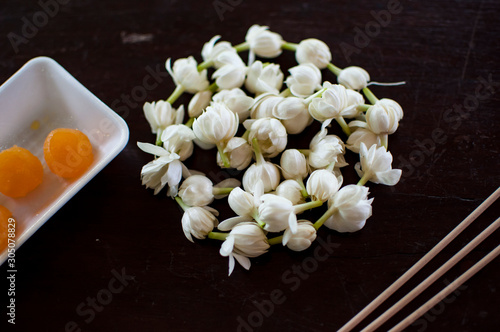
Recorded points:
447,146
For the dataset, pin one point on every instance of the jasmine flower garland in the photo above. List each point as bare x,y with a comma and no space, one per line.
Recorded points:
271,107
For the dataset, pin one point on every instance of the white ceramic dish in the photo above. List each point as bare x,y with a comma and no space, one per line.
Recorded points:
40,97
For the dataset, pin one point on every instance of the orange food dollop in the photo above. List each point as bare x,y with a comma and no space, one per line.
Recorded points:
20,172
5,215
68,152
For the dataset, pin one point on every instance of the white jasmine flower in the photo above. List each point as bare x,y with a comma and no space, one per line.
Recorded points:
197,190
263,42
325,150
351,208
313,51
231,72
306,234
166,169
211,50
270,134
179,139
293,113
263,171
239,153
185,73
216,125
264,78
384,116
376,166
362,135
244,204
264,104
291,190
354,99
353,77
322,185
245,240
199,102
161,114
336,101
293,165
304,80
198,222
277,213
236,100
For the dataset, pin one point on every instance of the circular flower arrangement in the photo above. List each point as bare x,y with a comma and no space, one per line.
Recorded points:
271,196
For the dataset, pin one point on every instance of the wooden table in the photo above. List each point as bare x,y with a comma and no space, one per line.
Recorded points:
118,243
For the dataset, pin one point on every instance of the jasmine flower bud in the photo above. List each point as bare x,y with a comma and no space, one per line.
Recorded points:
197,190
351,209
322,185
301,240
277,213
353,77
293,113
264,105
335,101
271,135
231,72
211,50
325,150
293,165
291,190
264,78
239,153
304,80
362,135
263,42
179,139
161,114
198,222
216,125
263,171
313,51
384,116
236,100
245,240
185,73
199,102
376,166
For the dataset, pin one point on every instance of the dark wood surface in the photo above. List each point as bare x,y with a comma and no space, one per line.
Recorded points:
444,50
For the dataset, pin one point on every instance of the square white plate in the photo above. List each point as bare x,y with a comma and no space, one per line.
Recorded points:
38,98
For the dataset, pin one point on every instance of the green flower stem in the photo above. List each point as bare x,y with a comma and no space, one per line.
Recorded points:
189,123
245,135
330,167
307,206
242,47
363,108
213,87
223,156
285,93
331,210
305,152
275,240
369,94
384,139
181,203
205,65
255,216
289,46
343,124
218,236
366,177
179,90
159,142
334,69
221,191
303,189
256,149
308,100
